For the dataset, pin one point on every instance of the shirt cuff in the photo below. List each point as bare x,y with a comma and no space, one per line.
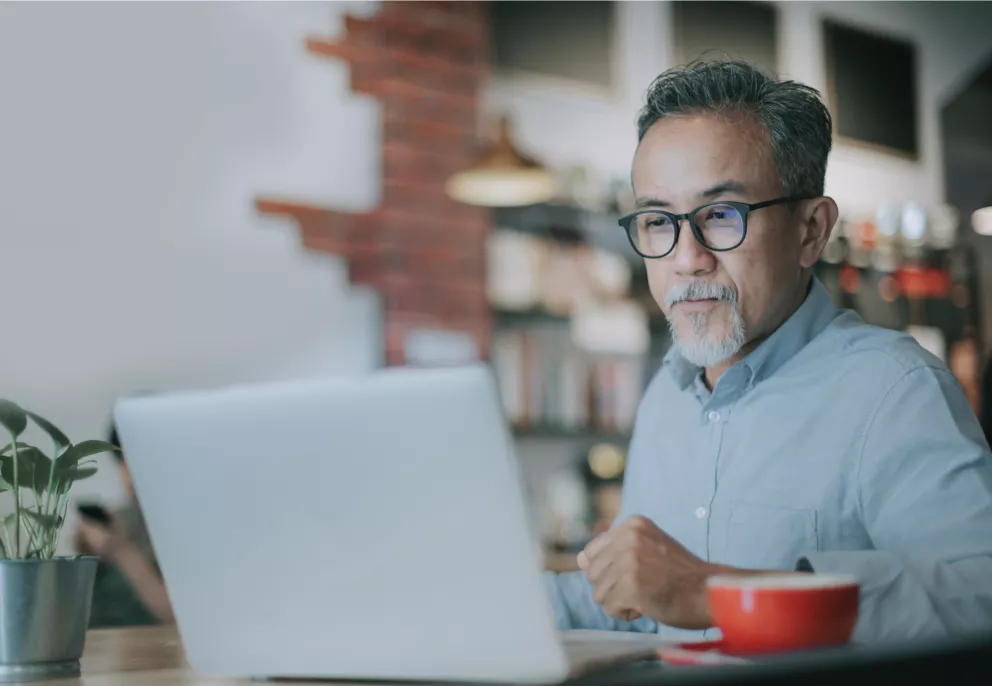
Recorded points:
559,605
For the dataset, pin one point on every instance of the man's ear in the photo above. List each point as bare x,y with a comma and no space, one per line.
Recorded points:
818,219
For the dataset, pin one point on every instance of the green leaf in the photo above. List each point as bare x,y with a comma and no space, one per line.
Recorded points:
61,440
33,467
65,477
9,447
13,417
4,486
46,522
80,473
77,452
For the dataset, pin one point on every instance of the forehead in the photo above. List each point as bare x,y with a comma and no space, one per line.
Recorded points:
681,156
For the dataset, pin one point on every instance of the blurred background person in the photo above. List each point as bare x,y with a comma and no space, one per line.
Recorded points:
129,589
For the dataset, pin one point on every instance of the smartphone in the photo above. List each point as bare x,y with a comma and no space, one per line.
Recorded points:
94,512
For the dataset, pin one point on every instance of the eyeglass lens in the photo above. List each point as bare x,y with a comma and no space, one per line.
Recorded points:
721,227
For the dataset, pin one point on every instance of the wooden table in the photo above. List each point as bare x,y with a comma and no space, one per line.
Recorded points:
153,656
150,656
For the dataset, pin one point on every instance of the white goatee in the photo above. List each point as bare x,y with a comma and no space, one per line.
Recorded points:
705,350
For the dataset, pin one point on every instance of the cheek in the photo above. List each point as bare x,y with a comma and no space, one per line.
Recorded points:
754,278
737,270
658,281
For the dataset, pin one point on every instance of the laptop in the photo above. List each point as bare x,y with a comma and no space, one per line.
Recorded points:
362,528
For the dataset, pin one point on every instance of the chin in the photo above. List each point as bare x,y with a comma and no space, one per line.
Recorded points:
710,338
702,328
707,351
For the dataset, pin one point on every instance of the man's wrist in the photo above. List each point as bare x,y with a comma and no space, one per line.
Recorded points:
121,553
704,617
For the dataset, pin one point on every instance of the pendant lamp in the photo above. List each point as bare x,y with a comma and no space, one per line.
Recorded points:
502,177
981,221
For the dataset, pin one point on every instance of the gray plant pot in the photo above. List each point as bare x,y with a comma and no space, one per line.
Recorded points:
44,614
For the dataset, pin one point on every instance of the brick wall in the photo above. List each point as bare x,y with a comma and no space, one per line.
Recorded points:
424,253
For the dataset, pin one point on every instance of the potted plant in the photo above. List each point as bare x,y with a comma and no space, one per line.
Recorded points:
44,600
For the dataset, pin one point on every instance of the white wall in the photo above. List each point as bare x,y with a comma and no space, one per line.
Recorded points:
134,137
566,125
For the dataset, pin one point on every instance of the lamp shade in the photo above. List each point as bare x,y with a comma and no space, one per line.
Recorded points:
502,177
981,221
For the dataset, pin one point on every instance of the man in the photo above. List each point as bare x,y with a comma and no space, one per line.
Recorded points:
780,434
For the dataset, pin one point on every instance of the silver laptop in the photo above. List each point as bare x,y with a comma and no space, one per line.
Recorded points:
369,528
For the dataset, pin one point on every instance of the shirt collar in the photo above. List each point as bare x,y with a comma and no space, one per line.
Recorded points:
816,312
683,371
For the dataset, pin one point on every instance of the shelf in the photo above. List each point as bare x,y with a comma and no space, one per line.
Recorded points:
567,222
581,433
506,317
657,325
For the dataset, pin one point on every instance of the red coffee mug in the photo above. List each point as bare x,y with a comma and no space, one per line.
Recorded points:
769,613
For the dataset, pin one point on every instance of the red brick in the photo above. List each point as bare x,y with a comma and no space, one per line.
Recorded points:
436,155
446,255
323,242
335,49
365,245
416,193
418,26
364,272
469,214
364,78
440,74
273,206
436,132
463,232
404,164
406,221
362,32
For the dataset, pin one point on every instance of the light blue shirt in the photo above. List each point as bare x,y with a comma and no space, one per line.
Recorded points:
834,441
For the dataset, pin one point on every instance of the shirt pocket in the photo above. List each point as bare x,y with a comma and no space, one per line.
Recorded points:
769,536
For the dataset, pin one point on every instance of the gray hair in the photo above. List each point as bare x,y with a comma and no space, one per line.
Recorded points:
798,123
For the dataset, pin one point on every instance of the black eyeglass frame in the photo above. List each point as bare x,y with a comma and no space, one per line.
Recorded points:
744,208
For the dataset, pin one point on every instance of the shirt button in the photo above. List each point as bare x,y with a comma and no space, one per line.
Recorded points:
713,416
700,512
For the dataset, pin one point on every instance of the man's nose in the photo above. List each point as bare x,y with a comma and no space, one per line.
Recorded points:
692,257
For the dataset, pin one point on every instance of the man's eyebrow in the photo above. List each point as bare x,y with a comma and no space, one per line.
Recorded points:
723,188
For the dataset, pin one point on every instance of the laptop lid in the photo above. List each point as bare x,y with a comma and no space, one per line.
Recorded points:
349,528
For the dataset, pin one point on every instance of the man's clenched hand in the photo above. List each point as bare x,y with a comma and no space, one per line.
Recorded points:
636,569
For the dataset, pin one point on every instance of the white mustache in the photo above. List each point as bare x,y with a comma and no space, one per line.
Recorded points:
699,290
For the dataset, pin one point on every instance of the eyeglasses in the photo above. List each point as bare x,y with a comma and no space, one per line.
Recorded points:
718,226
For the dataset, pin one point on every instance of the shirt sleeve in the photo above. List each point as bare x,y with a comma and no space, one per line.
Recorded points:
575,608
925,494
